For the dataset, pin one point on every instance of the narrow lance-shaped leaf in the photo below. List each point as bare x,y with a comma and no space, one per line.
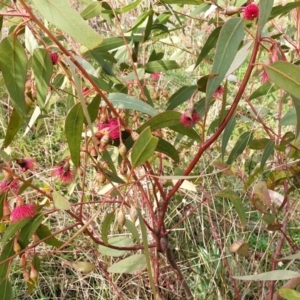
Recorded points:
29,229
14,125
62,15
162,120
281,10
265,8
42,68
167,149
227,133
289,294
182,95
269,150
148,26
13,64
128,102
92,10
73,130
118,241
209,44
43,232
297,108
236,201
286,76
12,229
7,251
229,40
161,66
272,275
129,265
146,249
6,289
128,7
106,226
143,148
240,146
60,202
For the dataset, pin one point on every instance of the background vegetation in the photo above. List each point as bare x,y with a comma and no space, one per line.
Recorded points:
108,191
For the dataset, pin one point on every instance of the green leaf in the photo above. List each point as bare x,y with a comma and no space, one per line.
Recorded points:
143,148
203,80
128,7
259,144
147,252
240,57
118,241
29,229
227,134
286,76
269,150
106,226
60,202
209,44
124,101
62,15
93,109
281,10
129,265
73,131
92,10
180,96
6,289
43,232
297,108
263,90
190,132
160,66
289,294
12,229
13,64
140,19
14,125
229,194
82,266
102,84
229,40
42,68
3,197
131,227
270,276
168,149
6,252
112,176
240,146
111,44
290,118
265,8
148,27
292,256
236,201
182,2
162,120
